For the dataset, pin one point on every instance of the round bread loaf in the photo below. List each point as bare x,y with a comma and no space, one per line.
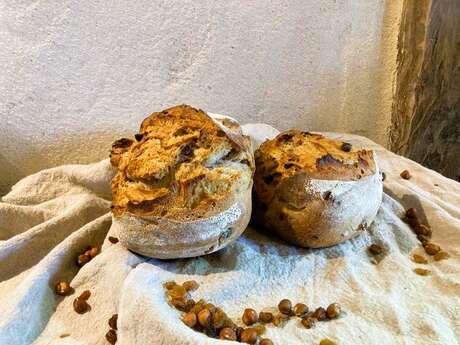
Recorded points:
183,186
314,191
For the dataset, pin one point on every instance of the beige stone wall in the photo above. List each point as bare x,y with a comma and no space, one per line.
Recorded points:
77,74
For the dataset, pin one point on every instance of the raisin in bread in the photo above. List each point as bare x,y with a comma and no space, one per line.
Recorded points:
183,186
314,191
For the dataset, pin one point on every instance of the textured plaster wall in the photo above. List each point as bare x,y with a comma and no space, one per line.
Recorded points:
75,75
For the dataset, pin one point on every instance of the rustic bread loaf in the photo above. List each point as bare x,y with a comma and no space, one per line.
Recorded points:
183,187
314,191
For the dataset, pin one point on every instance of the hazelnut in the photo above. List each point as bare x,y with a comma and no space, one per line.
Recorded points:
227,333
320,314
113,240
93,252
204,318
423,230
422,271
190,285
211,307
285,307
413,222
406,174
189,304
111,336
308,322
300,309
266,341
113,321
189,319
260,329
179,303
375,249
169,285
85,295
326,342
280,320
442,255
265,317
411,213
249,317
177,291
238,331
431,248
62,288
333,311
80,305
423,239
248,336
419,259
220,319
83,259
346,147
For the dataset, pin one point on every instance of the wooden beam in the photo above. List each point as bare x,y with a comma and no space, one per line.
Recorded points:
426,109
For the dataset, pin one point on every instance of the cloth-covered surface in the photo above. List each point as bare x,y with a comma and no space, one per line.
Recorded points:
49,218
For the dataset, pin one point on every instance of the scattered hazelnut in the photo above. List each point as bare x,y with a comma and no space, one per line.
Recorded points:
285,307
113,321
248,336
113,240
265,317
326,342
204,318
422,271
411,213
62,288
320,314
189,319
423,230
227,333
423,239
169,285
308,322
190,285
266,341
83,259
211,307
431,248
85,295
177,291
333,311
93,252
406,174
179,303
300,309
441,255
260,329
238,331
80,305
111,336
346,147
189,304
375,249
280,320
249,317
419,259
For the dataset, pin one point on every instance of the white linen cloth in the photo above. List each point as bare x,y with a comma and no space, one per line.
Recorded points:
50,217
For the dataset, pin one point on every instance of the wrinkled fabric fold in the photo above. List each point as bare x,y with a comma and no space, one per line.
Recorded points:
50,217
